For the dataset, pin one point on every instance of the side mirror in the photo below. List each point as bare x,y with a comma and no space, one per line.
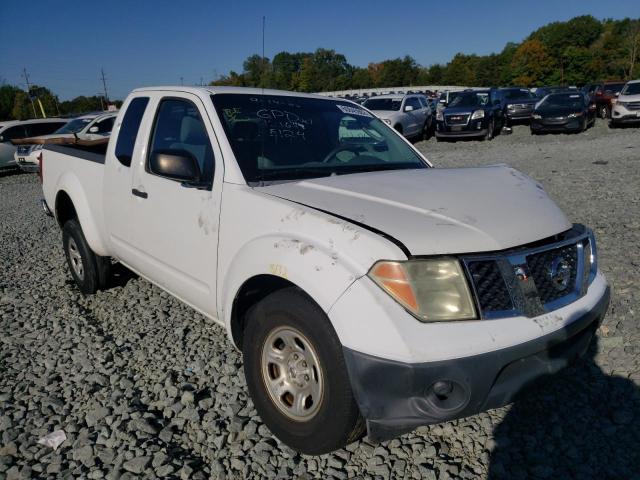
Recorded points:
617,94
592,106
1,138
408,108
94,129
175,164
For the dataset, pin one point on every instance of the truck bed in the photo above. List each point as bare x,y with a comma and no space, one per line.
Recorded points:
94,153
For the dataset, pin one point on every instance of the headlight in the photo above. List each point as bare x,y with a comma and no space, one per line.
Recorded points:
387,121
574,115
511,107
536,116
477,114
431,289
622,104
37,147
439,116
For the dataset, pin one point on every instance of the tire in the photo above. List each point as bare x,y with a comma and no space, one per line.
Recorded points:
426,130
89,271
288,321
489,135
603,112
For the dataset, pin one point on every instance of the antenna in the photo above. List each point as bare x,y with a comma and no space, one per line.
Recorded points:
26,79
104,84
181,81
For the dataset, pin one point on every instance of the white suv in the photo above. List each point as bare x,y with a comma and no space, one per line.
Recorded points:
626,108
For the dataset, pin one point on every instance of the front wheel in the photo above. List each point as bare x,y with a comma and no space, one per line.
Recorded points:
296,374
490,129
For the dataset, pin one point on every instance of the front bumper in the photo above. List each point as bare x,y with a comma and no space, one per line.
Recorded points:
29,167
569,125
396,397
620,115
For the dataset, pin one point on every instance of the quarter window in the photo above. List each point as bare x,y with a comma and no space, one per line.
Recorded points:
129,129
179,126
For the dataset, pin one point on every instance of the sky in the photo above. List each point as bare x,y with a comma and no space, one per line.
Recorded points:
64,45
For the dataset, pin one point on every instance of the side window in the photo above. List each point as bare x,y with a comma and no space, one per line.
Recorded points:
129,129
12,133
423,102
105,126
179,127
45,128
413,102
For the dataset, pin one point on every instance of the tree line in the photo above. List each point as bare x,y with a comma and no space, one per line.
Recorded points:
15,103
574,52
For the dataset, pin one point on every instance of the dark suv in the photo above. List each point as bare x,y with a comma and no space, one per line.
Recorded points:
603,95
472,113
518,104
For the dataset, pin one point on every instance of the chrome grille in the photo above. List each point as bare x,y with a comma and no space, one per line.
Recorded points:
23,149
457,119
633,106
535,280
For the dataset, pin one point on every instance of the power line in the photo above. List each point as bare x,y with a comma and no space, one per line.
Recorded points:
26,79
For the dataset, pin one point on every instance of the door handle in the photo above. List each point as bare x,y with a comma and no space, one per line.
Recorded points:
139,193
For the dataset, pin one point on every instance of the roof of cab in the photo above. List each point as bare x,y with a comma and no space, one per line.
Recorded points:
212,90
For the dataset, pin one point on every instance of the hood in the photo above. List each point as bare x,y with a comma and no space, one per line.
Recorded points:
523,101
437,211
385,113
461,110
629,98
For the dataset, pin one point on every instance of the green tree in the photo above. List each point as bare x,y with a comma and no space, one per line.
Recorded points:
7,100
531,64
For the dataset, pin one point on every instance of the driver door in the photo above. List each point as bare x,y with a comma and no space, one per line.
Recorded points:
175,223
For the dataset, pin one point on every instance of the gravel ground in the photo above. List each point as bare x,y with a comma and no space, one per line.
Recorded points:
144,386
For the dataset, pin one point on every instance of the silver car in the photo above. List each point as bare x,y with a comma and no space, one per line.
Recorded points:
16,129
408,114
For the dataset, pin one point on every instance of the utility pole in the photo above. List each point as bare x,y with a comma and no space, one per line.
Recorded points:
26,79
104,84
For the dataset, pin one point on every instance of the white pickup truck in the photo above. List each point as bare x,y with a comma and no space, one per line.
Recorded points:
365,288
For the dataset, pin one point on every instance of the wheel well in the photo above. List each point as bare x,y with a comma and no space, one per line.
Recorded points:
249,294
398,127
64,208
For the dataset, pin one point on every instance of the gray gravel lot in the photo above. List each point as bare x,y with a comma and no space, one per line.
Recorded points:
145,387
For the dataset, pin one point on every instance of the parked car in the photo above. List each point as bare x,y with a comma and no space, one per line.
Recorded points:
14,130
472,113
568,111
364,287
518,104
626,108
590,89
604,95
408,114
88,127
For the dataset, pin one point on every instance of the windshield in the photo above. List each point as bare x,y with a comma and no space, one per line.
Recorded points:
631,89
469,99
383,104
74,126
569,100
517,94
276,138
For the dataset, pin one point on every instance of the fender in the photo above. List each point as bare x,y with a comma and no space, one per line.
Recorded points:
70,184
315,267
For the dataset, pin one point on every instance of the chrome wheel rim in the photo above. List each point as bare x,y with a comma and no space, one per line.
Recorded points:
292,374
75,259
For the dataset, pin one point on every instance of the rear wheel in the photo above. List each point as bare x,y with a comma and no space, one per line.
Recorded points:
426,130
89,271
296,374
603,112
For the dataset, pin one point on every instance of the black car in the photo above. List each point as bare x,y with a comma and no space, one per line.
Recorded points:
568,111
518,104
472,113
